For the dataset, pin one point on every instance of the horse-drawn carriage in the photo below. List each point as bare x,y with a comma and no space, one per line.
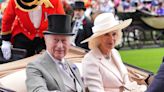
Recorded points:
145,29
12,74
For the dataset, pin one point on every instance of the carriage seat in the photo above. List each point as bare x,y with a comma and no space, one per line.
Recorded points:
15,81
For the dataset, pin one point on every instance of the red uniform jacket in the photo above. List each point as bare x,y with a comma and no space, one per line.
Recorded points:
16,21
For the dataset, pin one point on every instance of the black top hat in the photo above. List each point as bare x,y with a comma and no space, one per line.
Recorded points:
79,5
147,1
27,5
59,25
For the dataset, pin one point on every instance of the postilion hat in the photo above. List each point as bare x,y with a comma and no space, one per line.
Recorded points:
28,5
59,25
105,23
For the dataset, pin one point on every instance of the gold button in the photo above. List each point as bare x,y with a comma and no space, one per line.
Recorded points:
29,33
25,29
21,25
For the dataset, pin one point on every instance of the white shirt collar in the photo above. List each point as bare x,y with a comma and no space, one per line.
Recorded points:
55,60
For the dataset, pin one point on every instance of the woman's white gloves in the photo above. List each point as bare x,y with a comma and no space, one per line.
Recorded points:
6,49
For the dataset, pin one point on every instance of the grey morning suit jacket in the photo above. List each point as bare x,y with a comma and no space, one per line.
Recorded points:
43,75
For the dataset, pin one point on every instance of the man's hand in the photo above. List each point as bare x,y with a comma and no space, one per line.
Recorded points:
6,49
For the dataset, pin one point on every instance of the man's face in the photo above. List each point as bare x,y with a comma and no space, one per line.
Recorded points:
78,13
57,45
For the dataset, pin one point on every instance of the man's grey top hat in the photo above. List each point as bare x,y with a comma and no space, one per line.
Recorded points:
79,5
59,25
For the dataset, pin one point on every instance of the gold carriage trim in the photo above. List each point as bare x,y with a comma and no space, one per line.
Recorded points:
6,33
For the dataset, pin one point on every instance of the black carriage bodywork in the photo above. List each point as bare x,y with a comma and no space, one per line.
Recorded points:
141,31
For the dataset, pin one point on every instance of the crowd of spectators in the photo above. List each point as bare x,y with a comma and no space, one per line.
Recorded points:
152,6
95,7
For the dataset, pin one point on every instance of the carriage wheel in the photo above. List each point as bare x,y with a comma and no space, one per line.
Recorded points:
158,37
135,37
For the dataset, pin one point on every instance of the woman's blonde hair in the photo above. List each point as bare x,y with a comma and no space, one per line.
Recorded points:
94,43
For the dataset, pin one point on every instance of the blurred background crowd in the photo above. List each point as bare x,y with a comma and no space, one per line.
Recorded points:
92,6
152,6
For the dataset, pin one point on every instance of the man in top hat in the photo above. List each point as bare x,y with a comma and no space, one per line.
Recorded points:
51,72
23,23
81,25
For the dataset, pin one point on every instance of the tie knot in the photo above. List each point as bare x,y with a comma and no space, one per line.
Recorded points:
64,66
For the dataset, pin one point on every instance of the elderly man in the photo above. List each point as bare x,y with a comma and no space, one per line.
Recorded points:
51,72
81,25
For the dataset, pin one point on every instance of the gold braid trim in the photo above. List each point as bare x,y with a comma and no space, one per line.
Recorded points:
6,33
46,2
35,2
30,3
25,10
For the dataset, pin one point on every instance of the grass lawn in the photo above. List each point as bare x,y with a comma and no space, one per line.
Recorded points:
149,59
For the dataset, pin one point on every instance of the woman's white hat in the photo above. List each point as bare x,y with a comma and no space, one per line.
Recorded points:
105,23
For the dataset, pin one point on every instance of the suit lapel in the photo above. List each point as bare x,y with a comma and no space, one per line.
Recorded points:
44,19
111,69
52,68
68,81
24,18
78,78
119,64
106,64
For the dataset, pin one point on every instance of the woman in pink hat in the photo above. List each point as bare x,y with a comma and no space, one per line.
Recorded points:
103,69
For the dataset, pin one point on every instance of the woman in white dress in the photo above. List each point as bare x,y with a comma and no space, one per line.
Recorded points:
103,69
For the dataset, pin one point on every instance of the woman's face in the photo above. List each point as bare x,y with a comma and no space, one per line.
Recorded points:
108,40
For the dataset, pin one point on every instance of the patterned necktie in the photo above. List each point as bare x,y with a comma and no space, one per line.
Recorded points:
65,68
